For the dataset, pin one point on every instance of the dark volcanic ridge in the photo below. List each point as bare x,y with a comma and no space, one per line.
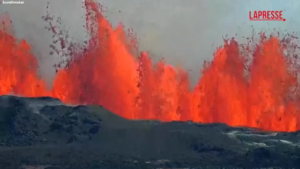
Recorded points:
45,132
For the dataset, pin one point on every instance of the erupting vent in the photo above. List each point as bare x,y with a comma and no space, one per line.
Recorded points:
253,85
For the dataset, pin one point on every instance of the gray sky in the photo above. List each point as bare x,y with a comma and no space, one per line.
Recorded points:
181,31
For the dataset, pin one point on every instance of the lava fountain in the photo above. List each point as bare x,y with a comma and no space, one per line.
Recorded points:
253,85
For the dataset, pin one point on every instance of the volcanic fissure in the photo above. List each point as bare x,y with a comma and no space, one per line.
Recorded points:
254,84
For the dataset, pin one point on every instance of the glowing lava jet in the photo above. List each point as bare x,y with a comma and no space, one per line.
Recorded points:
255,88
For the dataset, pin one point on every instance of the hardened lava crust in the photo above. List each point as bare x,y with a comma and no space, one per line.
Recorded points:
45,133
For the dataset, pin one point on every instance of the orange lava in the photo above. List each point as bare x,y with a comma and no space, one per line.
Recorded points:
241,87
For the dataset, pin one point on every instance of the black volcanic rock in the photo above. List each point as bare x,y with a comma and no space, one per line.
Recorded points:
46,133
33,121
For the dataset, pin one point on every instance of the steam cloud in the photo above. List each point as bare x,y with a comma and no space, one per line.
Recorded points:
183,32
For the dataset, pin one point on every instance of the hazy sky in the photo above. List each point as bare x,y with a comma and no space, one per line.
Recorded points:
181,31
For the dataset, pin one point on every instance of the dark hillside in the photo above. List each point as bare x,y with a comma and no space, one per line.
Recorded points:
46,133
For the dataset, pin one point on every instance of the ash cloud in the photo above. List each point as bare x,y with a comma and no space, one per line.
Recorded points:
183,32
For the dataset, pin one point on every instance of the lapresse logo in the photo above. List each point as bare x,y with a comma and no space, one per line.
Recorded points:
266,16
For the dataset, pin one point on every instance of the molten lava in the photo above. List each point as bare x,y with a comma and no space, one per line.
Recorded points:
255,86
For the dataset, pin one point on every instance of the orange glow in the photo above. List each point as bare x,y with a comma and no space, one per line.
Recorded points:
240,87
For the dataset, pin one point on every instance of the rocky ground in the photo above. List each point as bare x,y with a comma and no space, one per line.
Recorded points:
44,133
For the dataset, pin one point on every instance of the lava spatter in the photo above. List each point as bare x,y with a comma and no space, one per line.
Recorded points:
108,72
